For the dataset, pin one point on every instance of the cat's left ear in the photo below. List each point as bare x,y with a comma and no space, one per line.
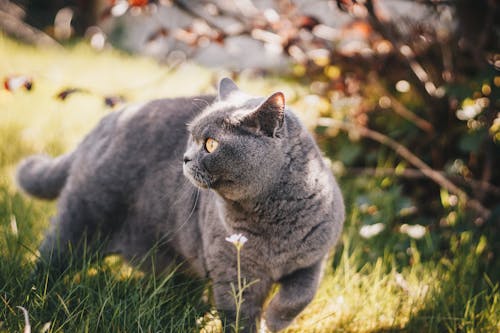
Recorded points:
269,116
226,88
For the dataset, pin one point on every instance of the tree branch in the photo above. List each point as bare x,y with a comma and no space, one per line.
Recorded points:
15,27
410,173
184,7
401,109
423,79
401,150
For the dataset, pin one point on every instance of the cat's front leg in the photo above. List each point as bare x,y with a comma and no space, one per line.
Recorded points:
296,292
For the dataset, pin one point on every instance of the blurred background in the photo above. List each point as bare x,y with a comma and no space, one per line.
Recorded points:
402,97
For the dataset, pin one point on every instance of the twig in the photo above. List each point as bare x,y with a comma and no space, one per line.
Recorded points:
423,78
12,9
401,150
184,7
401,109
404,112
15,27
246,26
410,173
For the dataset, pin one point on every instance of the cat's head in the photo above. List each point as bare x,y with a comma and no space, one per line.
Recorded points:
236,145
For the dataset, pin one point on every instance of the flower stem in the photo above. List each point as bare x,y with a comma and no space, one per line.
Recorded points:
240,291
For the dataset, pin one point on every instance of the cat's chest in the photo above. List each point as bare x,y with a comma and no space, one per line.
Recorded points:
278,243
280,250
278,256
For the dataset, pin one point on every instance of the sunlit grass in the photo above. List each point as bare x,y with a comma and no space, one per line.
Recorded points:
428,297
108,73
374,285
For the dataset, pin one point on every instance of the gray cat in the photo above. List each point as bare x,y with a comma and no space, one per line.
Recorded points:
250,167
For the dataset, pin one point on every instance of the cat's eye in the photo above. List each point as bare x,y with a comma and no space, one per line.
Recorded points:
211,144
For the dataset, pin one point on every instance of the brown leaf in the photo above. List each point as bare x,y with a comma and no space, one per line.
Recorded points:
307,22
113,100
14,82
106,13
160,33
186,36
69,91
345,5
219,38
138,3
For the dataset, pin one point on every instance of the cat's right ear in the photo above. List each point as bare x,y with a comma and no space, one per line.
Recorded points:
269,117
226,88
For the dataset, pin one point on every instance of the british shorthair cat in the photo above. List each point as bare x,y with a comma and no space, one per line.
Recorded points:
181,175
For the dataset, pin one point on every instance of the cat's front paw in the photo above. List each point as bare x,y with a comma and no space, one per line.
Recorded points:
275,322
263,327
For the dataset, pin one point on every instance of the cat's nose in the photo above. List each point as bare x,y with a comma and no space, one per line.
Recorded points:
186,159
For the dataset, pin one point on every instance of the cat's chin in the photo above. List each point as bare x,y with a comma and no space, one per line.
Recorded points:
215,184
197,180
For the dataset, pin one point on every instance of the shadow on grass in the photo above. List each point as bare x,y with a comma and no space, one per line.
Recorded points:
466,297
95,295
469,296
103,296
447,281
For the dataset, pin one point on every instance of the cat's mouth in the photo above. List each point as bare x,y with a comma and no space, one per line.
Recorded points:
203,180
199,178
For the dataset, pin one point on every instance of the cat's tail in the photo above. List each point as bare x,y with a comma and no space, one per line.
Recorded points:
43,176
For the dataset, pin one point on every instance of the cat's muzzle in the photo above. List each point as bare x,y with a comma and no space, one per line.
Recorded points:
196,176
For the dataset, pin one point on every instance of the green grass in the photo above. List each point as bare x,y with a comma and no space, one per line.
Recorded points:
388,283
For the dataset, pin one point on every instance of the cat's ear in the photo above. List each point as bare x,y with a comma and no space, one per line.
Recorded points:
226,88
269,116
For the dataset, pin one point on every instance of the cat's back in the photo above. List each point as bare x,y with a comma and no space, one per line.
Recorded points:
129,145
161,114
160,121
155,129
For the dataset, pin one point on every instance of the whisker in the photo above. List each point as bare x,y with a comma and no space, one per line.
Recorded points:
168,237
194,204
201,100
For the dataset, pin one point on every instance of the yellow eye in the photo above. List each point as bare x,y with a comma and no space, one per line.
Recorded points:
211,145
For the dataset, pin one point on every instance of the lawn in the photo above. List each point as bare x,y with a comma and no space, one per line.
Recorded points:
390,282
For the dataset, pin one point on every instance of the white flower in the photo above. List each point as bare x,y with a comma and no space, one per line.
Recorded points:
368,231
469,111
416,231
237,239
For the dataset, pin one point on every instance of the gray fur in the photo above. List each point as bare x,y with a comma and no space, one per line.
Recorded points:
44,177
266,180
